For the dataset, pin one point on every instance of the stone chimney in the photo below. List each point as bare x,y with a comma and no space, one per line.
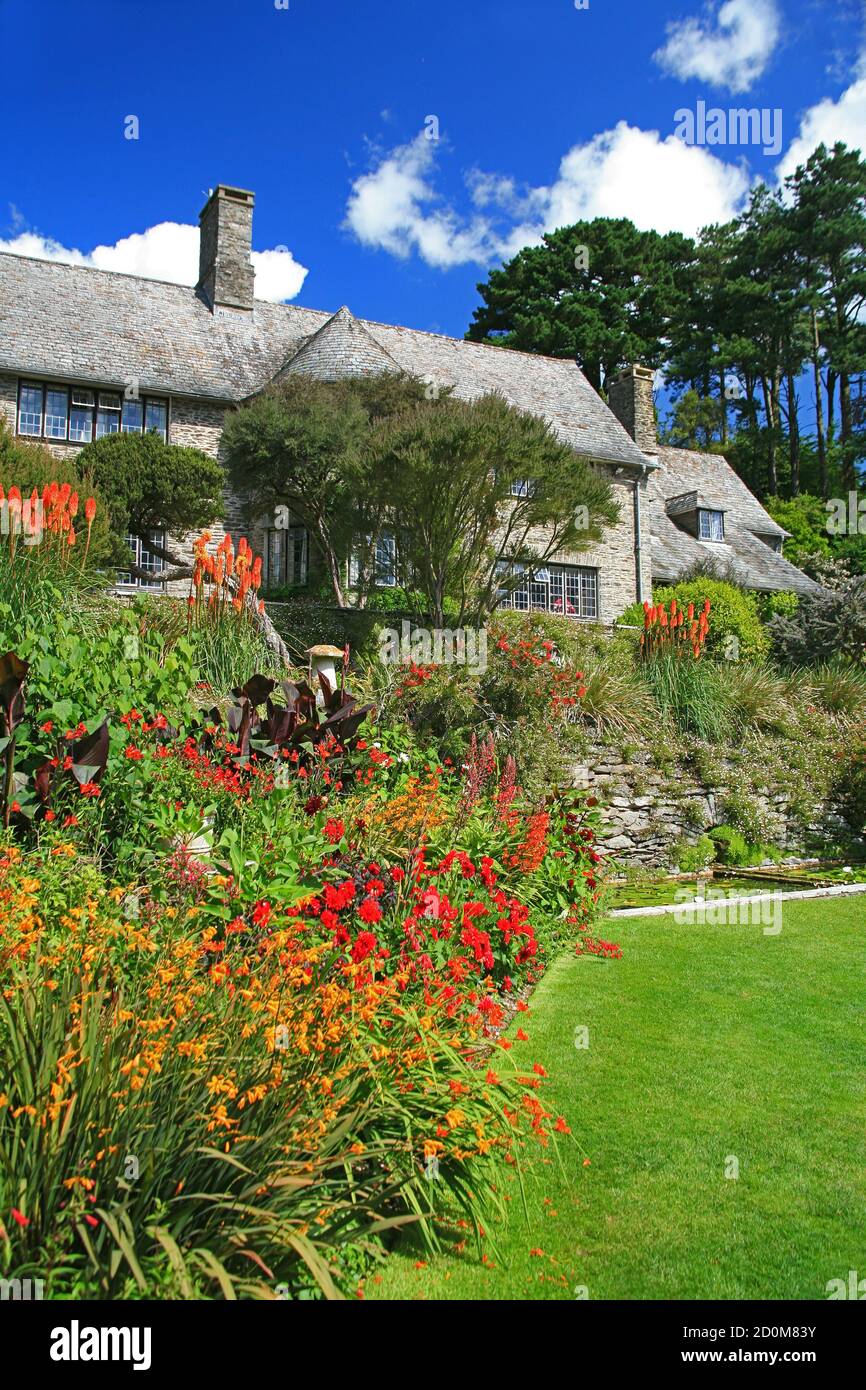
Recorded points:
225,272
630,397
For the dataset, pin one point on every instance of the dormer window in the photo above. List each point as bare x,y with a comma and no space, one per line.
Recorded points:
711,525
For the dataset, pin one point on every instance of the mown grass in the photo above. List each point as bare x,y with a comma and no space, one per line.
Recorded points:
705,1042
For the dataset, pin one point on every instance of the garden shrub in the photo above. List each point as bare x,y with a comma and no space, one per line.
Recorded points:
689,858
827,627
733,614
731,846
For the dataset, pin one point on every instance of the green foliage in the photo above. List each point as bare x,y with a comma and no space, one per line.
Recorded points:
604,309
303,444
689,858
733,615
691,693
731,847
780,604
839,687
694,423
758,697
746,814
805,516
148,485
827,627
31,465
455,466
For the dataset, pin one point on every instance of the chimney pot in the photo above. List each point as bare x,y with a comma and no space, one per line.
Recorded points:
225,271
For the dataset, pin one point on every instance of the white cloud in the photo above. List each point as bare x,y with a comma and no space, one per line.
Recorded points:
731,49
392,208
625,172
828,122
168,251
661,184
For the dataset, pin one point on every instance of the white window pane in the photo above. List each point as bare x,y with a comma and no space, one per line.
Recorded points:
30,410
56,407
80,425
133,417
107,422
155,417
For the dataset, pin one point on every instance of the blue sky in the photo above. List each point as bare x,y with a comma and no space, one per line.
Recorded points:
543,113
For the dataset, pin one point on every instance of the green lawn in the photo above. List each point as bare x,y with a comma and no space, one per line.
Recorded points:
704,1042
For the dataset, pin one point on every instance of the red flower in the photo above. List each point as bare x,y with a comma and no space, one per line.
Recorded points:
134,754
364,946
262,913
334,831
370,911
19,1216
89,789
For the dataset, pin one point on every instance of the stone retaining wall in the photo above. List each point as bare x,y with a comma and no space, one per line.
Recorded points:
647,811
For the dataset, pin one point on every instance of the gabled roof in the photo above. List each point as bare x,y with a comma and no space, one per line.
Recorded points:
688,473
73,322
342,348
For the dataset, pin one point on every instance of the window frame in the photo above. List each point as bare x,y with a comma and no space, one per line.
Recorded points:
558,584
47,384
282,579
708,513
133,581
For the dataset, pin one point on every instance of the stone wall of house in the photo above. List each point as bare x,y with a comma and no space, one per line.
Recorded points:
646,810
614,555
199,423
8,397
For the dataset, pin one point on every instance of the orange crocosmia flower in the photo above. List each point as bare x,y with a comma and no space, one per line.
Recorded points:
539,1069
522,1036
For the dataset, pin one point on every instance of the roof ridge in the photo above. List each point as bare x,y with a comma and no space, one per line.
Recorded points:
285,304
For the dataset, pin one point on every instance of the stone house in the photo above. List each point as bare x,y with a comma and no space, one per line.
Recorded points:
86,352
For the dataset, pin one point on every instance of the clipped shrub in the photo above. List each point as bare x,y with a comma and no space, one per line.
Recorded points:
733,614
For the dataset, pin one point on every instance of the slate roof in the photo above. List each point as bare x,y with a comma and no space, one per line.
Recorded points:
711,481
340,349
75,322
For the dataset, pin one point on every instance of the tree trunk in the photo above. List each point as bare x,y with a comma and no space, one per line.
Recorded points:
846,431
819,409
831,405
793,436
770,411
